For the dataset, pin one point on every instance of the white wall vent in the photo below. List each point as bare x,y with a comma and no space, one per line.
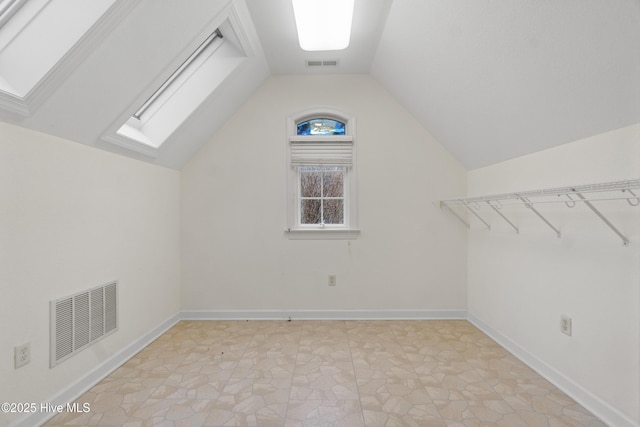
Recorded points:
81,319
322,63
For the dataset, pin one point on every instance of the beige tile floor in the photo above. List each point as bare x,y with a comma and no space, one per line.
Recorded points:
326,373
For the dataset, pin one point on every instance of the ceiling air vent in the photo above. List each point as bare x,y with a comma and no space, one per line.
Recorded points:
322,63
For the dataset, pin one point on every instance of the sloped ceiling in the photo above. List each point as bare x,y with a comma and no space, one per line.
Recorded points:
490,79
496,79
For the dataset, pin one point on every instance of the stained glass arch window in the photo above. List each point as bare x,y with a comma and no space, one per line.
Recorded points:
321,126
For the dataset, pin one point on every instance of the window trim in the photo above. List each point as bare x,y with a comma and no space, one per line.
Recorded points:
295,230
9,9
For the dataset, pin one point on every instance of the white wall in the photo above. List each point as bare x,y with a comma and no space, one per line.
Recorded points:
235,254
520,285
71,218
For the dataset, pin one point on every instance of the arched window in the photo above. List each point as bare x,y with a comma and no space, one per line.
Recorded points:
321,175
320,126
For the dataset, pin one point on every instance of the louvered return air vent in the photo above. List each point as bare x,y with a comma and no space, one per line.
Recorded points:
79,320
322,63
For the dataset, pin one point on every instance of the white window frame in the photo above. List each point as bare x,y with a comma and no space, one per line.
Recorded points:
175,99
295,230
34,68
179,77
8,8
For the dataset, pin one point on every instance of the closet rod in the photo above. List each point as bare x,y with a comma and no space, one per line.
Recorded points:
623,186
562,195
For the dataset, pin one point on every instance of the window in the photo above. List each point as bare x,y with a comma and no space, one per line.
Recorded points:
159,114
184,70
322,183
320,127
42,42
321,195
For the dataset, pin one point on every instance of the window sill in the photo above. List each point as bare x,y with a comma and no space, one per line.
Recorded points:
324,234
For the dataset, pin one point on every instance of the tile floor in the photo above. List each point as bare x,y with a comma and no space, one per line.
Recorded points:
326,373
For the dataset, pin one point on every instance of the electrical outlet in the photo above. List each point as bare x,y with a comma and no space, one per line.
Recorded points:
332,280
565,325
22,355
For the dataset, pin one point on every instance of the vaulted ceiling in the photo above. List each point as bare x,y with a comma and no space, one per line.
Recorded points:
490,79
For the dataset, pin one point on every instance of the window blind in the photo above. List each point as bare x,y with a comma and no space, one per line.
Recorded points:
331,153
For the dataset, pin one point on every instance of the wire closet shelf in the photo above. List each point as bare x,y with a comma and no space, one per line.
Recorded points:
628,191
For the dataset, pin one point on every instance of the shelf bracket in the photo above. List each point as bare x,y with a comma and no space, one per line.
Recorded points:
529,205
478,216
637,202
444,206
625,241
504,217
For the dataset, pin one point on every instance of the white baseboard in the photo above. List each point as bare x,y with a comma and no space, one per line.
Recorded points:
595,405
323,314
83,384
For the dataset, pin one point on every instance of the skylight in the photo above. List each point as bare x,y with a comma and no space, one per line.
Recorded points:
33,66
323,24
177,97
174,78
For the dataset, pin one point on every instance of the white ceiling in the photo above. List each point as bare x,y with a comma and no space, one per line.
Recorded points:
496,79
276,27
490,79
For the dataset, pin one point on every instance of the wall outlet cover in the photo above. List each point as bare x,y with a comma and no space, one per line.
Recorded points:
22,355
565,325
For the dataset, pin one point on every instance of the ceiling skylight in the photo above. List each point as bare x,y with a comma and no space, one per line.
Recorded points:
34,66
323,24
174,78
177,97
